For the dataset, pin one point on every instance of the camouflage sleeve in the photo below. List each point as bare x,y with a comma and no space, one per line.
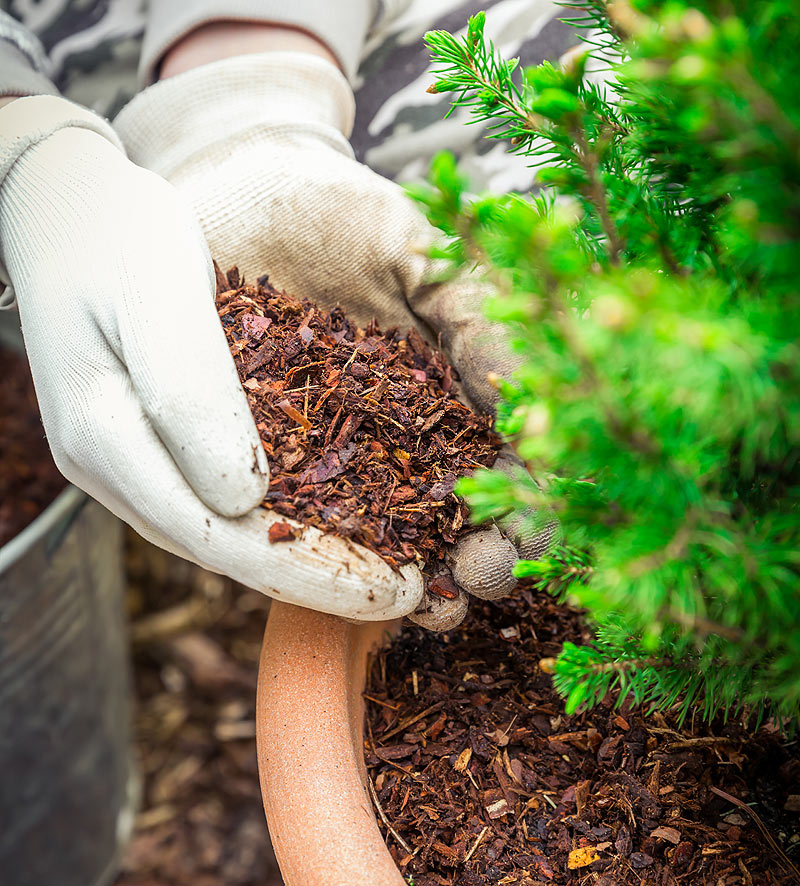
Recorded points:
400,127
341,26
24,67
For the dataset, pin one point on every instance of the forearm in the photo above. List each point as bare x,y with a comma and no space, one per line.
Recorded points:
183,35
218,40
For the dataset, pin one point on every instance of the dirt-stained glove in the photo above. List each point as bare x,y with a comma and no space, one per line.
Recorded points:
139,395
258,145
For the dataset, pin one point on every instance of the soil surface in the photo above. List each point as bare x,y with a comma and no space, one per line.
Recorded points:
480,749
29,479
363,430
483,779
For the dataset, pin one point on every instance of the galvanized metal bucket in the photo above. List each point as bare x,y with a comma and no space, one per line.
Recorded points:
67,785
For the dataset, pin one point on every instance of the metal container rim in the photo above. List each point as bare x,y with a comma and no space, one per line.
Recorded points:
60,507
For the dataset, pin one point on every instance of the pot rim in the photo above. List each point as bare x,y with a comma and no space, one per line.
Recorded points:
64,504
310,743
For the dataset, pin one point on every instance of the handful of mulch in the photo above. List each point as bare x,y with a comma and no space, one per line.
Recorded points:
363,430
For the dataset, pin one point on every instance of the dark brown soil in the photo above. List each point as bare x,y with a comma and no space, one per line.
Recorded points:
29,479
363,430
485,780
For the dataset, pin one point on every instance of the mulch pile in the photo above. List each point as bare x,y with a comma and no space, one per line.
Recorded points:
484,780
29,479
480,749
196,640
363,430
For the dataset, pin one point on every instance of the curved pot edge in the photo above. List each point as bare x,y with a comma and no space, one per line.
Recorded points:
309,735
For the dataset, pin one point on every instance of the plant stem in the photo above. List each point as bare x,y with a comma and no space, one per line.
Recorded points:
597,195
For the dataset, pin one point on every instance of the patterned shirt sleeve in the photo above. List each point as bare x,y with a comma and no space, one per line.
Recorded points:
399,127
24,67
342,27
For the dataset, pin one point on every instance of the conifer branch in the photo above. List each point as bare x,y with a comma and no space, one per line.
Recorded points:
655,307
596,193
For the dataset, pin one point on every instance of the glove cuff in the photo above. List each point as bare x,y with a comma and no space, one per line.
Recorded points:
27,121
176,118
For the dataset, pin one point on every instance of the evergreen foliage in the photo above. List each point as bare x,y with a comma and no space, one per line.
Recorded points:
653,292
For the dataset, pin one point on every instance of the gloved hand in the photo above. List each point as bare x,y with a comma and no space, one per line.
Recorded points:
139,395
258,146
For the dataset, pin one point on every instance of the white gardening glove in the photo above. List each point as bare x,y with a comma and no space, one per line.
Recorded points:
139,395
258,146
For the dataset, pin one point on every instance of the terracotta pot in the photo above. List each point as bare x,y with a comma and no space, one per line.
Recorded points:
309,717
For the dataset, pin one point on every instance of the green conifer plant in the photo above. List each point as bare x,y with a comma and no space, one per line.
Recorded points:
652,287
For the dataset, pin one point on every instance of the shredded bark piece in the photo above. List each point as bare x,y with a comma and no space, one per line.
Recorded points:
280,532
443,586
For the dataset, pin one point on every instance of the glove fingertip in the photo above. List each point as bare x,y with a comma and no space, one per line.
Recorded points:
235,489
440,614
482,564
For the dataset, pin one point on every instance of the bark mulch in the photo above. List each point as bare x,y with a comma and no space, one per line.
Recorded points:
481,778
363,430
196,640
29,479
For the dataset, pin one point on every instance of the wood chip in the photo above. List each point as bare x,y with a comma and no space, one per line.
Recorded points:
498,809
582,857
232,731
617,794
669,834
279,532
463,760
475,845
